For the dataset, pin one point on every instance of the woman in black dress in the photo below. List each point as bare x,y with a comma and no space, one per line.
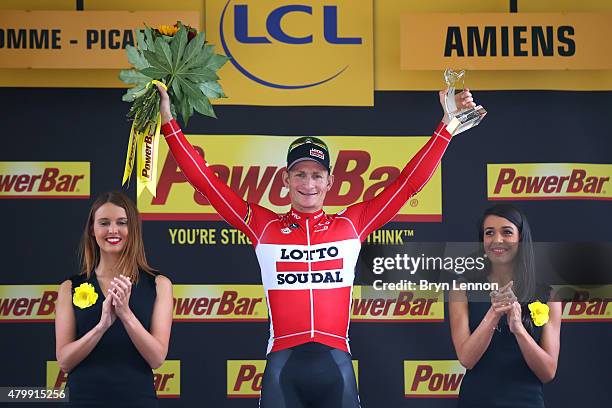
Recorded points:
508,353
113,321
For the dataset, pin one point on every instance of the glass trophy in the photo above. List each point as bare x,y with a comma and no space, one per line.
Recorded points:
459,120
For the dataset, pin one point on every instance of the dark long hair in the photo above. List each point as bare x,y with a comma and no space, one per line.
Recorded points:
132,259
524,273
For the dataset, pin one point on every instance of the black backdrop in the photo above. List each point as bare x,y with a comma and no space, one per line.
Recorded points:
39,247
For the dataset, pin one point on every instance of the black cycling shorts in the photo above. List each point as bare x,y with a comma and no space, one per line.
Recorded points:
311,375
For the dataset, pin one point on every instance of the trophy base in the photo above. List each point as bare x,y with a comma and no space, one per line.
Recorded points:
465,120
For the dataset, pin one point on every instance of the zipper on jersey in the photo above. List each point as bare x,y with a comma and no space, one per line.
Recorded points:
311,296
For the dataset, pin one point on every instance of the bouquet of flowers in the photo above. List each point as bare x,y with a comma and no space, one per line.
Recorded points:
178,58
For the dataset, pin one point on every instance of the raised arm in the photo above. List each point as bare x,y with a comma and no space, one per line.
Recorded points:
372,214
226,202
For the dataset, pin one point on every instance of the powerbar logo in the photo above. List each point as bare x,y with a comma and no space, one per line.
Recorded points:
44,179
36,303
585,304
549,181
244,377
360,174
166,379
432,379
370,305
219,302
24,303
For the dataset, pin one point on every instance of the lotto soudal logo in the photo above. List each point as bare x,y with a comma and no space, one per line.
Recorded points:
317,153
244,377
166,379
359,175
320,265
376,306
585,304
44,179
549,181
432,379
27,303
219,303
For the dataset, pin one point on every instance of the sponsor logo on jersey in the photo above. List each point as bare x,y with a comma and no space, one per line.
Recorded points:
313,264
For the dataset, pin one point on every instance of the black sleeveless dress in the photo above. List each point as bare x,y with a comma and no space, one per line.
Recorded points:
114,373
501,378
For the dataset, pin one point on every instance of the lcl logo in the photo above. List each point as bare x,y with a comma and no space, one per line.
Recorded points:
273,27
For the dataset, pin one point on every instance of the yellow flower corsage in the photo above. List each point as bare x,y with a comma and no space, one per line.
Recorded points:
84,296
539,313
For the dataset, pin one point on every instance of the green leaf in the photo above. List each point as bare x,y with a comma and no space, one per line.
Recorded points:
203,106
149,40
216,62
190,89
212,90
135,58
200,75
201,59
133,93
132,76
165,55
186,110
176,88
140,40
157,61
154,72
193,49
179,42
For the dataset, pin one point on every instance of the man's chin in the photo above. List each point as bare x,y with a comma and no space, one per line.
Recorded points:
309,206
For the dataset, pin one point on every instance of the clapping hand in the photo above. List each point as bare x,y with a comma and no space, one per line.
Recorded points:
108,316
120,291
502,299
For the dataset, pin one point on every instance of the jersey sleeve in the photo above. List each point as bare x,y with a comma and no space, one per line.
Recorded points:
369,215
242,215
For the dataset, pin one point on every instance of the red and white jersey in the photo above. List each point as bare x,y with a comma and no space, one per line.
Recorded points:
307,261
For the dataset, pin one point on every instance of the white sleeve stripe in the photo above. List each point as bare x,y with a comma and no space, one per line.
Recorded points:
436,134
174,131
217,191
441,135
